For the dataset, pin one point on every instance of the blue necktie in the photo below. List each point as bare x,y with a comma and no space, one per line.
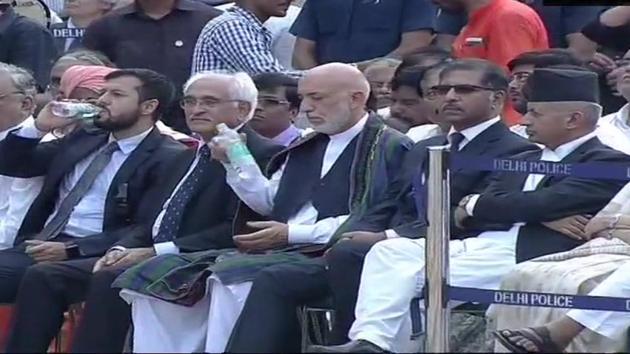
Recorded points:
175,210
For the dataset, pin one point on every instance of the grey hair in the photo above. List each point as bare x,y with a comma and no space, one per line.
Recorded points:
22,79
242,86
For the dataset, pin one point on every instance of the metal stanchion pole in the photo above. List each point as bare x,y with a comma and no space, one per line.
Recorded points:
437,256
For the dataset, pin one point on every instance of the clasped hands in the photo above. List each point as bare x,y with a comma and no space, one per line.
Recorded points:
116,258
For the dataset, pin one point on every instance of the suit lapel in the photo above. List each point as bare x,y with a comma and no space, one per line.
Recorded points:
573,157
89,145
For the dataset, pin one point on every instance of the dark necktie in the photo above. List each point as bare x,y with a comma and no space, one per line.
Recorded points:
456,140
83,185
174,213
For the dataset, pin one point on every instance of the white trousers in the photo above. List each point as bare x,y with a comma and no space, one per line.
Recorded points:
164,327
393,274
608,323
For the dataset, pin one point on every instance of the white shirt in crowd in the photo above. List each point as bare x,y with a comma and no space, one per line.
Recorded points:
423,132
258,193
283,41
87,217
170,247
16,197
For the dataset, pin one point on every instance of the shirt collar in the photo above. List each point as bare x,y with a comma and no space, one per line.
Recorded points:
565,149
128,145
250,17
350,133
3,134
184,5
472,132
622,115
287,136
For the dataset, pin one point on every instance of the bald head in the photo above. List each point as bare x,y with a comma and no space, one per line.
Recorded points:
338,76
334,97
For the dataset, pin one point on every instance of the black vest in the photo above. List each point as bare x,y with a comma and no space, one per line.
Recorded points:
301,182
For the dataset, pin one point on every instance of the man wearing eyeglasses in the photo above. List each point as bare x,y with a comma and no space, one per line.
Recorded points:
609,131
190,208
278,106
17,93
513,219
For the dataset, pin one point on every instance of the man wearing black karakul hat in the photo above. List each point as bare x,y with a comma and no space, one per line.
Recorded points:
524,216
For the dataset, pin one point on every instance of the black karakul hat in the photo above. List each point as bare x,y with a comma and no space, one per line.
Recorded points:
563,85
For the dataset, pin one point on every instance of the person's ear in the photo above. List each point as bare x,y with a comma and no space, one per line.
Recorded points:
149,107
574,120
28,105
243,110
497,99
358,99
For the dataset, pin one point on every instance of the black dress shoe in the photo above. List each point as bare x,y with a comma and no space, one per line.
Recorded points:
355,346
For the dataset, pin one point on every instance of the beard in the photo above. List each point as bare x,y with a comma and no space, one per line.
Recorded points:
117,123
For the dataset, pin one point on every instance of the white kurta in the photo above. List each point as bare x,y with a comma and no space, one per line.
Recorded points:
393,273
160,326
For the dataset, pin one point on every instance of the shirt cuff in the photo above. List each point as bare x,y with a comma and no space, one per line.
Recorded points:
470,206
391,234
30,131
166,248
300,234
118,248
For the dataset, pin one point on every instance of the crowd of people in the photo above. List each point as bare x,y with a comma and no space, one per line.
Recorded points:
141,215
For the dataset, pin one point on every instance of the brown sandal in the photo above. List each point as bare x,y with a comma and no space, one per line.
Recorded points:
539,337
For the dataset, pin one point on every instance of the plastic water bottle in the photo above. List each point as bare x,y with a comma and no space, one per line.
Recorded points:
240,157
83,111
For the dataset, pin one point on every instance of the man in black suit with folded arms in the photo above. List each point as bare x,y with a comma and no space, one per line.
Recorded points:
191,208
95,178
562,115
473,112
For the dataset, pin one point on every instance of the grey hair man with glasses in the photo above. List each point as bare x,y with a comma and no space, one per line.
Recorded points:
17,92
189,209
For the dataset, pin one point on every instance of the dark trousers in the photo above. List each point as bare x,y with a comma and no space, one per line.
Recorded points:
268,323
345,263
45,294
13,264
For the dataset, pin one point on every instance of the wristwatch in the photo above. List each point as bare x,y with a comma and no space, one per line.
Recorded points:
72,250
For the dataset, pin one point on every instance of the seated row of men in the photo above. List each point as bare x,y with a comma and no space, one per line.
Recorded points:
206,252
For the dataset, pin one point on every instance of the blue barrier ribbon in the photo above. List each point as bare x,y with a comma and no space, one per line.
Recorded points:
591,170
536,299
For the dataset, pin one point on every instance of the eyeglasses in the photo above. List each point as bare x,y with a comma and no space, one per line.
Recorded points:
460,90
5,95
271,102
520,77
207,102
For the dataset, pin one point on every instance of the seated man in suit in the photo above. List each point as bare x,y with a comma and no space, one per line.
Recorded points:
18,88
562,115
473,116
189,209
94,178
312,190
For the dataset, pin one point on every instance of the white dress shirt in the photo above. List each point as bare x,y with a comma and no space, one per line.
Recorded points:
530,184
87,217
469,134
423,132
169,246
258,192
16,197
288,135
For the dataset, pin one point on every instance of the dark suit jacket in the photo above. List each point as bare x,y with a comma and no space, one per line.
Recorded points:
554,198
22,157
207,220
27,44
399,211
